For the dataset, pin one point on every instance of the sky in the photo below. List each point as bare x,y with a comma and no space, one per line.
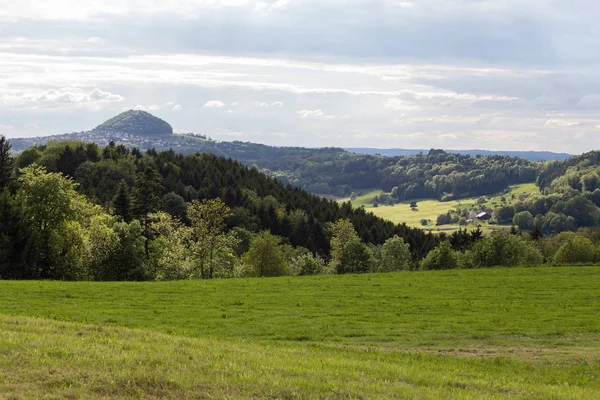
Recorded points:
454,74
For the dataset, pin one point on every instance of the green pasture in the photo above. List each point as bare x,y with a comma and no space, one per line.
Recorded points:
430,209
497,333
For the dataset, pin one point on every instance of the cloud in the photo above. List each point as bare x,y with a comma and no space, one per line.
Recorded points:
267,105
177,108
214,104
63,96
315,114
560,123
151,107
32,126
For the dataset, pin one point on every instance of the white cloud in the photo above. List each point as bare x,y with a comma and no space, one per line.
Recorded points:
315,114
560,123
32,126
94,40
151,107
264,104
214,104
177,108
62,96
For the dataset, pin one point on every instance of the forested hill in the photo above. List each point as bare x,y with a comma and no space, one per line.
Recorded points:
325,171
257,202
528,155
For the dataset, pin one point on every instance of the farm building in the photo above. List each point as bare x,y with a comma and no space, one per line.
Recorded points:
484,216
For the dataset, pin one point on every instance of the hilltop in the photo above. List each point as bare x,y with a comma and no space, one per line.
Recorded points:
136,122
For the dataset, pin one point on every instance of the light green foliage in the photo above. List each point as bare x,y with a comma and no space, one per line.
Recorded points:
550,244
307,264
442,257
170,255
578,250
395,255
265,256
501,249
355,258
49,201
524,220
102,242
348,253
208,219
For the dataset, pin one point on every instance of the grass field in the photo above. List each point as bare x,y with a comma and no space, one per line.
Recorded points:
430,209
497,333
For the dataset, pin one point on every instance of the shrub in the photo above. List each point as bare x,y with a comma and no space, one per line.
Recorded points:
442,257
579,250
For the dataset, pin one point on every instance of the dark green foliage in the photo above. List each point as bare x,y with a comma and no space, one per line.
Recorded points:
523,220
174,204
121,204
7,164
206,176
146,198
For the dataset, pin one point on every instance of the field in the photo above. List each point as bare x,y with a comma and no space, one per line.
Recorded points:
497,333
430,209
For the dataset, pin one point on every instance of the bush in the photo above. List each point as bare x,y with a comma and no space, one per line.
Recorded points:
579,250
307,264
442,257
502,249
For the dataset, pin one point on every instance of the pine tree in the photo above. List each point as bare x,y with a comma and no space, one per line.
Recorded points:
148,187
122,202
7,163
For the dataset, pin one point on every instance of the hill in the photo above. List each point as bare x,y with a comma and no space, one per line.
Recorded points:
137,123
528,155
442,334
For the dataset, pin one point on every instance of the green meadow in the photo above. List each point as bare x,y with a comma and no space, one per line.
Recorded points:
497,333
430,209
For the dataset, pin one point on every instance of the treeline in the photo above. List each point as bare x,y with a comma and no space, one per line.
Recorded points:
68,206
436,175
334,171
569,198
509,249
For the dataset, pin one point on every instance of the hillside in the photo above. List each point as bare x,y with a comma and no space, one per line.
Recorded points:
169,182
325,171
405,335
137,123
528,155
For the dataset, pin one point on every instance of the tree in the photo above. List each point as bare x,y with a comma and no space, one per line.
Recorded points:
503,249
355,258
170,256
442,257
524,220
145,199
504,214
265,256
174,204
121,203
7,164
578,250
395,255
208,219
48,201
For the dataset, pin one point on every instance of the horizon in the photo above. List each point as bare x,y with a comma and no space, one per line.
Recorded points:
454,74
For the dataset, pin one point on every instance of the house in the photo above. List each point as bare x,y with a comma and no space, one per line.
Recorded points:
484,216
